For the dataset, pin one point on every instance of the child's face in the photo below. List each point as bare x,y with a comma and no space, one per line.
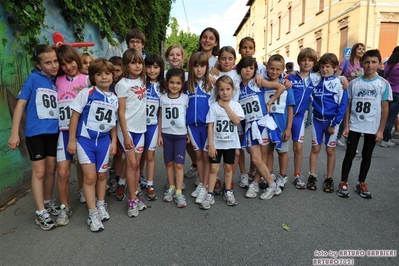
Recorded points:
247,49
135,68
306,65
225,91
274,70
175,58
86,62
208,41
226,61
103,79
327,70
370,65
247,73
136,44
117,73
48,64
153,72
175,85
199,72
70,68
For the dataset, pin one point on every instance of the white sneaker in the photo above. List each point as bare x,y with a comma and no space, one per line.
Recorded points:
244,182
201,195
197,181
103,212
252,191
95,222
229,198
169,194
208,202
387,144
197,190
280,181
192,171
272,175
340,144
63,217
141,206
270,192
81,196
180,201
132,207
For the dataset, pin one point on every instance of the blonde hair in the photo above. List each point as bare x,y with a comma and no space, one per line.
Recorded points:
223,79
198,58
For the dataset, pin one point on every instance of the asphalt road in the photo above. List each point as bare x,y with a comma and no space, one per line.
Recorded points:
247,234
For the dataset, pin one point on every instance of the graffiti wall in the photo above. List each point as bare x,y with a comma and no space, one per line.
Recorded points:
15,66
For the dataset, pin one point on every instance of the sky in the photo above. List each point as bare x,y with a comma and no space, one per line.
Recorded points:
223,15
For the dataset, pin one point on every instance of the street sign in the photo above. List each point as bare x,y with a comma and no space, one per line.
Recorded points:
347,52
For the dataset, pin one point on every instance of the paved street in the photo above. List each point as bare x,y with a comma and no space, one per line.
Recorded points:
248,234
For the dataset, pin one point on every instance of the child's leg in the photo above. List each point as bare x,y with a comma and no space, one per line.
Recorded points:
38,172
367,152
213,172
142,162
313,158
89,184
101,186
49,177
179,173
257,159
297,148
270,157
132,172
63,181
170,173
179,153
330,160
352,142
79,173
206,167
200,165
117,164
283,162
228,175
150,159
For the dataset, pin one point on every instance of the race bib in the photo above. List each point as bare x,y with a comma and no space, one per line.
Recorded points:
65,113
172,117
279,104
152,112
46,104
365,110
224,130
252,108
102,117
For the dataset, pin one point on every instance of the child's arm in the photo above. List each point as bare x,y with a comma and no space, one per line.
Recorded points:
279,89
14,140
344,81
211,142
112,147
287,131
160,139
73,126
383,121
341,108
233,117
127,141
347,116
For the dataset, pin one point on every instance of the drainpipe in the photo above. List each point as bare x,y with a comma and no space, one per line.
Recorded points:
367,23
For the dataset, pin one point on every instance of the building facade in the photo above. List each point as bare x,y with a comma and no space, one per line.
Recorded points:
287,26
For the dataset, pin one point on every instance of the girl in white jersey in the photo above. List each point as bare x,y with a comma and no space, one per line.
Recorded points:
69,83
131,91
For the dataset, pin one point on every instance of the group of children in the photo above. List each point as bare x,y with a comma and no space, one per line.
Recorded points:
131,105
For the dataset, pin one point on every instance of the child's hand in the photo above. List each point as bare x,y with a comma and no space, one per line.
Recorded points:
287,84
223,104
212,80
212,152
112,148
128,143
71,148
345,133
160,141
13,142
258,80
188,138
344,82
286,135
331,130
214,72
379,136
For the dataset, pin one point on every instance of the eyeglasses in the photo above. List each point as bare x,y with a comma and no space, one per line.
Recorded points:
135,41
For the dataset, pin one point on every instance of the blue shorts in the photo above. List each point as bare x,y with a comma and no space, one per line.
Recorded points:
138,141
298,128
320,130
151,138
174,148
94,151
249,141
198,136
62,153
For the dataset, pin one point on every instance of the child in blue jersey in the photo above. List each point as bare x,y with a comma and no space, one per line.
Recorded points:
367,113
329,105
256,137
303,83
92,135
282,112
154,66
38,98
223,118
199,91
131,93
70,82
172,134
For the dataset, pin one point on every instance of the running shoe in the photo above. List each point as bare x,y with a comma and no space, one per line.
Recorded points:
298,182
103,212
168,196
63,217
229,198
342,190
94,221
362,190
151,195
45,221
311,185
252,191
328,185
208,202
120,193
180,201
52,207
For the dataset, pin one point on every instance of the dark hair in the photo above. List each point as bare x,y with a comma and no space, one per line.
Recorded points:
289,66
246,39
98,65
129,56
329,58
224,79
198,58
174,72
246,62
135,34
353,52
116,60
394,58
215,49
307,53
371,53
40,49
67,53
153,59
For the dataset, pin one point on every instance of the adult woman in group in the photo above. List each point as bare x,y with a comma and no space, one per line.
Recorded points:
391,73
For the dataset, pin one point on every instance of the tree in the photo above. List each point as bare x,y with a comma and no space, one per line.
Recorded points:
188,40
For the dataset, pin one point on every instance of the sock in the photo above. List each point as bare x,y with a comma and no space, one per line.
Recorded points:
178,191
100,203
47,201
211,193
227,190
150,183
172,187
122,181
273,185
91,211
255,183
40,212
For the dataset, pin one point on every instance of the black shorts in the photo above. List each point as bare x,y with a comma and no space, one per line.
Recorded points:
228,156
41,146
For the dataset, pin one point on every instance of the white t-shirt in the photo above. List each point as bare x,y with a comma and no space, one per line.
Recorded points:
224,131
174,114
134,91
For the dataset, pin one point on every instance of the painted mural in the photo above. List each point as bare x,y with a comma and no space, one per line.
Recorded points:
15,66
